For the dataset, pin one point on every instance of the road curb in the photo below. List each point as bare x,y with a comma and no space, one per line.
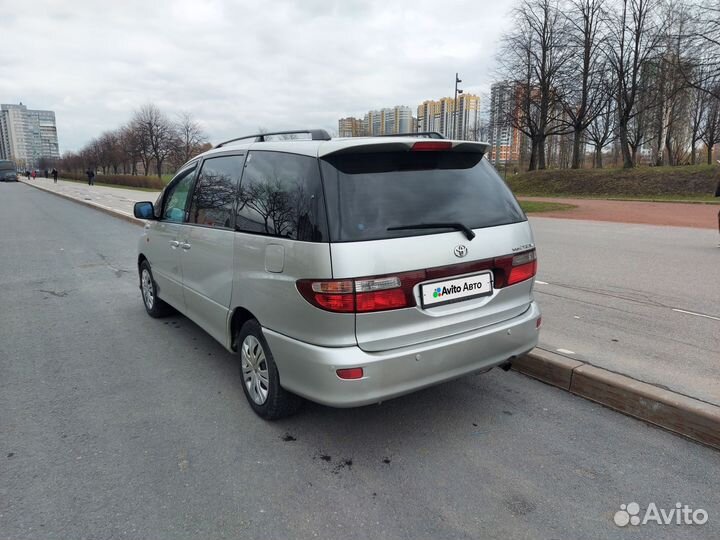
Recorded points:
91,204
692,418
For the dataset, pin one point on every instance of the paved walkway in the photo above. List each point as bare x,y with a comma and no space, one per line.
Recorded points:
105,198
701,216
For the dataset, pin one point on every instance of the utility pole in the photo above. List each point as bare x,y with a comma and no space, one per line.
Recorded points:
454,116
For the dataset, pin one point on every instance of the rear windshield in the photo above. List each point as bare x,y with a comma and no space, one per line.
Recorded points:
368,193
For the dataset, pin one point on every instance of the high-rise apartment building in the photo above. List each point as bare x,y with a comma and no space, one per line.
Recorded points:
350,127
388,121
27,135
505,140
441,116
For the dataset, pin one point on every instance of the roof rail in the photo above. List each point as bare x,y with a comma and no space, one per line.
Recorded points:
425,134
315,135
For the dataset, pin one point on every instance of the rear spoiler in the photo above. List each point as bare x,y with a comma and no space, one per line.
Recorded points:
426,145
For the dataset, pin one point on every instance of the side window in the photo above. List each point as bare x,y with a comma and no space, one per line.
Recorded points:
281,195
177,195
213,201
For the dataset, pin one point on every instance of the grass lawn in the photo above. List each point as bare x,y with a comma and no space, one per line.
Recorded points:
685,183
533,207
688,199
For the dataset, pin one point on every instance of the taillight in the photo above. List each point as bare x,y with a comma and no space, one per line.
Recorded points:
362,295
515,268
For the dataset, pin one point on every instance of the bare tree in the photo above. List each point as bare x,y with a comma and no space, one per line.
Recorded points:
191,138
534,55
583,85
601,131
698,104
711,125
157,132
634,37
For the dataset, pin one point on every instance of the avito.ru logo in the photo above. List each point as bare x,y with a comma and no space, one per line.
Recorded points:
629,514
442,291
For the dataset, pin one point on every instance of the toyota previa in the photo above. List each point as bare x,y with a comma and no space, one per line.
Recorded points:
344,271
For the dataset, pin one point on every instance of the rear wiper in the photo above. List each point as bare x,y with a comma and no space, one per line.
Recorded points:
444,225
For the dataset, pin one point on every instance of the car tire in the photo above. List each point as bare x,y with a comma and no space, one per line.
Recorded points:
260,377
154,306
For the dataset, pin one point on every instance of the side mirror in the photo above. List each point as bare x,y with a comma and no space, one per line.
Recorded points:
144,210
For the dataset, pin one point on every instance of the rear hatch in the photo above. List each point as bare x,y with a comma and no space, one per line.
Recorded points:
430,238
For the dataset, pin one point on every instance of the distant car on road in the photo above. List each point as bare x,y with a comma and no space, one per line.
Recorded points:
345,271
8,171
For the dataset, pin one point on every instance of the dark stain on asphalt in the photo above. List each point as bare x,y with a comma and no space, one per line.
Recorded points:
508,413
59,294
386,461
342,465
11,454
474,424
615,340
325,457
519,505
288,438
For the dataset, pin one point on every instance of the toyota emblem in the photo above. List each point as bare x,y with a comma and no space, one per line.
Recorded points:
460,251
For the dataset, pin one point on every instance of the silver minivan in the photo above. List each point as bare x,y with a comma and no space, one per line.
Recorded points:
345,271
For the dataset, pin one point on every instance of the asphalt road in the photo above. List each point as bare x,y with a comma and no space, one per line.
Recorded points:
641,300
115,425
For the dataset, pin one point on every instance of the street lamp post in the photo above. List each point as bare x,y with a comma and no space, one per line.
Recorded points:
454,117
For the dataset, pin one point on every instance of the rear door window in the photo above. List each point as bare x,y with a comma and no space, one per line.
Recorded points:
367,193
281,195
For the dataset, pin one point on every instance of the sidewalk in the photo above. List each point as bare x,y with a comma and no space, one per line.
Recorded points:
118,201
685,415
674,214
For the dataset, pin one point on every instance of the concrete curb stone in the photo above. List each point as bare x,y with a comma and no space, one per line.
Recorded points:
692,418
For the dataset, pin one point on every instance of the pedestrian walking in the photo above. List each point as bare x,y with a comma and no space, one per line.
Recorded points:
54,175
27,174
91,177
34,174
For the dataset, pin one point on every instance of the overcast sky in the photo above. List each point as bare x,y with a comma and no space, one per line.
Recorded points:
239,65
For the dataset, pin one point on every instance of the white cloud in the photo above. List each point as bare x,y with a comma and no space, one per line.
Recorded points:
240,65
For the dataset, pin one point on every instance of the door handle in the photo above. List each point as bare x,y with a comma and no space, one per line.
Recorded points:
185,246
174,244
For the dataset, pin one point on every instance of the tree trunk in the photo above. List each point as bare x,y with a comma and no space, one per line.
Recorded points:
598,157
668,149
628,161
542,164
709,153
577,143
159,163
693,156
533,155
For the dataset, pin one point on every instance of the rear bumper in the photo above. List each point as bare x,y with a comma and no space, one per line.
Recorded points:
309,370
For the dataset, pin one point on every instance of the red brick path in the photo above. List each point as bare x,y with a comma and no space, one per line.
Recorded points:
703,216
